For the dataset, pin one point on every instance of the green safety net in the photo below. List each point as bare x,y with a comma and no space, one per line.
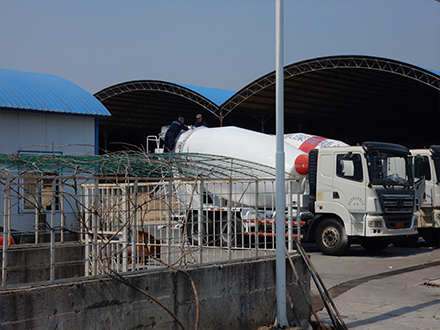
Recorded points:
135,164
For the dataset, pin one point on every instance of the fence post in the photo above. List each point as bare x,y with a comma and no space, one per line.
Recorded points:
95,228
257,236
298,218
230,224
169,213
135,226
289,214
125,220
200,224
84,230
6,224
62,215
52,232
37,224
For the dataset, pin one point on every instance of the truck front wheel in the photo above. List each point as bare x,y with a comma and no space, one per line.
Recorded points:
331,238
374,245
431,236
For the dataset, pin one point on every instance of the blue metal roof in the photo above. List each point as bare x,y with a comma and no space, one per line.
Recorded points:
433,71
218,96
21,90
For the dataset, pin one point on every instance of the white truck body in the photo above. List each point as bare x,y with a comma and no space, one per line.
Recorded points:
240,143
306,142
363,192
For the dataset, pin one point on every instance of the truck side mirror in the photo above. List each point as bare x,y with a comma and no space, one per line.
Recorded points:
347,167
378,164
421,168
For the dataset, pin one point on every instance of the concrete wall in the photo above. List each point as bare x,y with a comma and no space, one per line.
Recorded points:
31,263
232,296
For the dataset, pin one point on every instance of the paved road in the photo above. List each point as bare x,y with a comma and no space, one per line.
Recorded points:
398,288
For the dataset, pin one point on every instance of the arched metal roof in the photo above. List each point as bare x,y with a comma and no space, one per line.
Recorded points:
141,108
349,98
42,92
314,66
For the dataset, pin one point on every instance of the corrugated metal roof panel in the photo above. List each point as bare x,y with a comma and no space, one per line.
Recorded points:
42,92
218,96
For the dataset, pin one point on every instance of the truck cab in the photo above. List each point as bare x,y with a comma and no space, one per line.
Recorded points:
428,217
363,193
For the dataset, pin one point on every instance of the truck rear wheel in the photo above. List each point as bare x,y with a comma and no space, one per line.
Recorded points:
235,235
193,232
331,238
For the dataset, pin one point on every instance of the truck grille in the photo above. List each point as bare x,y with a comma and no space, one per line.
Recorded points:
396,221
397,203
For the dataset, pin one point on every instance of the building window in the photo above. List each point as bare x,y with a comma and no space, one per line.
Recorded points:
37,194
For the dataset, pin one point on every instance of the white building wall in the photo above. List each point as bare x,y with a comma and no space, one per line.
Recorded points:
30,132
37,131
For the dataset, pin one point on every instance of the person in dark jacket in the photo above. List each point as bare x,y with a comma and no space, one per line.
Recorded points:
199,121
172,132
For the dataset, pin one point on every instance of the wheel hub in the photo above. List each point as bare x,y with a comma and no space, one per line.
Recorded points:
330,237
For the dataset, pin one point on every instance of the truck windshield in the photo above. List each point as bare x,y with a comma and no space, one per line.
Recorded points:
436,160
389,170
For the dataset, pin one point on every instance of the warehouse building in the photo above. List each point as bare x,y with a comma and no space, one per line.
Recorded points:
348,98
41,113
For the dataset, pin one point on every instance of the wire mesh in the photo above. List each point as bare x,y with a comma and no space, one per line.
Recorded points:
136,164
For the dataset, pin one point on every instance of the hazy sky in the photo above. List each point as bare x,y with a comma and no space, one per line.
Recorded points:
223,44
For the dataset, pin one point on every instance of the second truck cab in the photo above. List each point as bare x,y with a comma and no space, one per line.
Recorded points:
360,192
428,217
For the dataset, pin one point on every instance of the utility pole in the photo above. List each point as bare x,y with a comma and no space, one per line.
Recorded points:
280,170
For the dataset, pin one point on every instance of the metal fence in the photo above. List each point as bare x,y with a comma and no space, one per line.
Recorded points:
73,227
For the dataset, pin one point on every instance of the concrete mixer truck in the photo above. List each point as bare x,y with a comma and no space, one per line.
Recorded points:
425,164
352,193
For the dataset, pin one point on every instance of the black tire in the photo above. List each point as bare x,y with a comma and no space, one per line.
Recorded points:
431,236
331,238
236,232
374,245
406,241
192,229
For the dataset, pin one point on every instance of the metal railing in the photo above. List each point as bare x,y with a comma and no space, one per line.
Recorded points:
74,227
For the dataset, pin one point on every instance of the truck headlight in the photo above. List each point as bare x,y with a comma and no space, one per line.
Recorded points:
375,223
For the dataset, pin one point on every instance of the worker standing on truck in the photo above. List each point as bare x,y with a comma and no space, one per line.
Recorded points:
172,132
199,121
